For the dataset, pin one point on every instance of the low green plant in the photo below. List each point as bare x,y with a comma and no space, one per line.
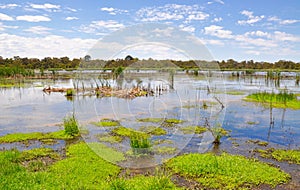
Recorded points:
291,156
165,150
151,120
140,143
110,139
107,123
193,129
71,126
235,93
39,152
152,130
226,171
70,92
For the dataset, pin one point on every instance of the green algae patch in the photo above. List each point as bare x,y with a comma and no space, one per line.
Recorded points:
291,156
193,129
153,130
107,123
19,137
127,132
173,121
143,183
151,120
165,150
226,171
280,100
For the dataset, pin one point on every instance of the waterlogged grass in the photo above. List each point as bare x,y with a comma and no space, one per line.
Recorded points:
71,126
193,129
151,120
107,123
39,152
235,93
173,121
110,139
165,150
19,137
143,183
226,171
280,100
127,132
291,156
153,130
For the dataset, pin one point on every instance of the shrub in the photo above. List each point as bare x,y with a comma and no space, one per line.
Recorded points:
71,126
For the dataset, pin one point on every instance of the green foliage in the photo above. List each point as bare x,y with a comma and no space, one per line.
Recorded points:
291,156
152,130
15,71
128,132
71,126
280,100
140,143
173,121
39,152
107,123
19,137
70,92
193,129
226,171
151,120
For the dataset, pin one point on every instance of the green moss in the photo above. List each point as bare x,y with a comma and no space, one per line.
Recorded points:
107,123
152,130
173,121
165,150
151,120
226,171
127,132
280,100
193,129
39,152
19,137
291,156
143,183
110,139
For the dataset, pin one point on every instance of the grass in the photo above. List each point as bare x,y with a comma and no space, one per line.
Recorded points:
107,123
19,137
193,129
291,156
280,100
173,121
165,150
110,139
140,143
152,130
226,171
39,152
127,132
71,126
70,92
151,120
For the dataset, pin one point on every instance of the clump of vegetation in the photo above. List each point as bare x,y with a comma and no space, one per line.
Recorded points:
140,143
165,150
126,132
151,120
152,130
291,156
218,132
252,122
226,171
173,121
70,92
107,123
260,143
110,139
193,129
38,152
162,141
19,137
71,126
280,100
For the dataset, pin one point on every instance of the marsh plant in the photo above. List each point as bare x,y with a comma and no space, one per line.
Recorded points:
140,143
70,92
71,125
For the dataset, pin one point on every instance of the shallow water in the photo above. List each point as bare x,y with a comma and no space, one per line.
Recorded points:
30,109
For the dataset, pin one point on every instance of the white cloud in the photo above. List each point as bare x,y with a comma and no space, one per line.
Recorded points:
38,30
282,36
169,12
113,11
47,7
71,9
101,26
5,17
251,18
258,33
41,47
217,19
218,31
220,1
190,29
71,18
281,21
9,6
31,18
4,27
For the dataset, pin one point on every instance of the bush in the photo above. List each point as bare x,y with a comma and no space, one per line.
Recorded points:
71,126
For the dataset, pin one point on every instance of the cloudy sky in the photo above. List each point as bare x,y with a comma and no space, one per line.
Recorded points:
262,30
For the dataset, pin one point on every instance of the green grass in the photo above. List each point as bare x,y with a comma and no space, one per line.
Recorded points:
173,121
193,129
140,143
71,126
226,171
152,130
107,123
151,120
291,156
110,139
19,137
127,132
39,152
280,100
165,150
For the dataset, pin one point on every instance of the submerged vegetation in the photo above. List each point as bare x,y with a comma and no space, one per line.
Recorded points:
291,156
280,100
107,123
226,171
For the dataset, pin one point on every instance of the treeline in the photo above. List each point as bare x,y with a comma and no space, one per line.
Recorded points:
67,63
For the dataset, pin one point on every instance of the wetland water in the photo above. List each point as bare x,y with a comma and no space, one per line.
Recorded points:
193,99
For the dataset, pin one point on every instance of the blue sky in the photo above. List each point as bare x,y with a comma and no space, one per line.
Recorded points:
265,30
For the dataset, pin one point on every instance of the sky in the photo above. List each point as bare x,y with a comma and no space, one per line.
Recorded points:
259,30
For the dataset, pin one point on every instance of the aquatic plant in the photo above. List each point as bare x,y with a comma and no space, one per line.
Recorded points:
110,139
71,126
165,150
152,120
70,92
291,156
193,129
226,171
140,143
153,130
107,123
